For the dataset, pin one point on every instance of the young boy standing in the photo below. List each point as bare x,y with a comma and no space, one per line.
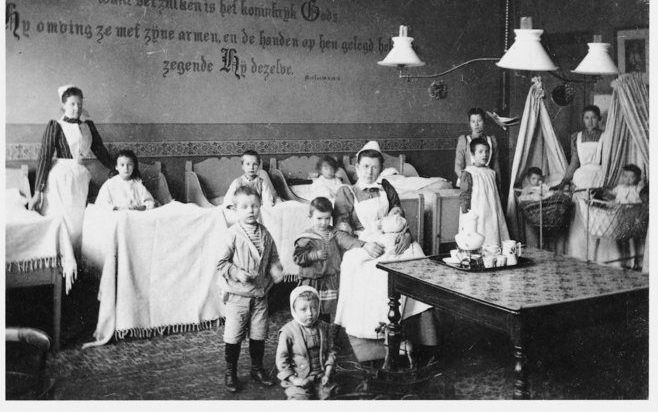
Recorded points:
251,164
248,266
479,196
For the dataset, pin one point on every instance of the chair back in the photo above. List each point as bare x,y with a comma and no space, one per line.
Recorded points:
414,209
216,175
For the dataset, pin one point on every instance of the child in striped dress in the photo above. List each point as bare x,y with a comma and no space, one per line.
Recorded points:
319,251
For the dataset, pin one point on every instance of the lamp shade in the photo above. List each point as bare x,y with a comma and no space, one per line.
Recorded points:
402,54
597,61
527,53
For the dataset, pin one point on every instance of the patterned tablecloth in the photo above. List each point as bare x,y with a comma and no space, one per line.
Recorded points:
550,279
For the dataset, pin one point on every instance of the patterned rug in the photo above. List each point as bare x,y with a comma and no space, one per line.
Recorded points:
607,362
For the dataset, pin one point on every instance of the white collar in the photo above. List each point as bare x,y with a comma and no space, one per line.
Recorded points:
364,186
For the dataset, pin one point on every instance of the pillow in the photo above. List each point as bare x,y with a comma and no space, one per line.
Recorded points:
14,201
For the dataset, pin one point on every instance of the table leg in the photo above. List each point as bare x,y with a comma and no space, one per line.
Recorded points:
394,335
520,369
57,310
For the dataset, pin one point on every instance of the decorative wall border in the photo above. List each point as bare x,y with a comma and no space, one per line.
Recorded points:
30,151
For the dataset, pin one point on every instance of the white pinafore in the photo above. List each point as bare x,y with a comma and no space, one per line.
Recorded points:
589,154
485,203
363,290
68,181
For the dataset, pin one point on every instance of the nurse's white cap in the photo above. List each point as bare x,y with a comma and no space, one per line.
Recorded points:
371,145
62,89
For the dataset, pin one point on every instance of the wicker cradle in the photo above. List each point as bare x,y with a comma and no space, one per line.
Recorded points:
550,213
615,221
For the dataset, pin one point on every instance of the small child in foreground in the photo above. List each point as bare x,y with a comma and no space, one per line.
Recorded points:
305,355
125,191
319,251
536,189
248,267
251,164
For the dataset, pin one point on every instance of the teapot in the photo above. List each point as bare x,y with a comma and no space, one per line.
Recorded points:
468,238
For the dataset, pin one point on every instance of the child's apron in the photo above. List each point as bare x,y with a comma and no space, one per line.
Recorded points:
486,205
68,181
363,290
589,154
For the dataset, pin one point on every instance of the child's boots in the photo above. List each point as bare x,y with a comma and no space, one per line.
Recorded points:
232,353
257,351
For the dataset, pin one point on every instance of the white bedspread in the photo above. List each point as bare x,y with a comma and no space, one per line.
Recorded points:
158,269
35,242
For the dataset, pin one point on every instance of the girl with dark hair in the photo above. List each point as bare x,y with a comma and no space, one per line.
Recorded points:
463,156
327,183
62,180
125,190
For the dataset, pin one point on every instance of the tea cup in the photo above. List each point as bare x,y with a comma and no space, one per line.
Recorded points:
454,254
501,260
489,261
509,246
491,250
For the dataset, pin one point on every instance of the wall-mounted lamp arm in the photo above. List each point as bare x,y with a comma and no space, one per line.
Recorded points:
459,66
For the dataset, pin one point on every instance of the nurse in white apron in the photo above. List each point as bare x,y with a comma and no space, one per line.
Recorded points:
62,180
363,291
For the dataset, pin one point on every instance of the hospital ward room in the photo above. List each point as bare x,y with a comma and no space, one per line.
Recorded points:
342,200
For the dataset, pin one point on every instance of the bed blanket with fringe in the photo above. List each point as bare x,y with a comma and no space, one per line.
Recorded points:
159,270
34,242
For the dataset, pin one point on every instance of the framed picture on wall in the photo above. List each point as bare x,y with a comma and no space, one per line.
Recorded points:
633,50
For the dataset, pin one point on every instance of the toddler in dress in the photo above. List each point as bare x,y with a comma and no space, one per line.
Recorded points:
536,189
125,191
629,187
326,184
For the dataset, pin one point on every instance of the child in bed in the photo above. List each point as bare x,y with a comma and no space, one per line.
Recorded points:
251,164
248,267
629,188
305,355
327,184
319,251
125,191
479,196
536,189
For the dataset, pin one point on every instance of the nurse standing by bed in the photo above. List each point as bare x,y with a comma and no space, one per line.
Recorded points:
62,183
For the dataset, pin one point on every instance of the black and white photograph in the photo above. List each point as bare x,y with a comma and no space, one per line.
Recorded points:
387,201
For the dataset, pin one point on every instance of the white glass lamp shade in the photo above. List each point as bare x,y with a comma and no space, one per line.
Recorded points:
527,53
597,61
402,54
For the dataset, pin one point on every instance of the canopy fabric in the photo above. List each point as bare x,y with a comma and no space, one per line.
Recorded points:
626,137
537,145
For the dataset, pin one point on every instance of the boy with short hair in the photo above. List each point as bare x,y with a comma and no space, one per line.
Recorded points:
479,196
248,267
251,164
319,252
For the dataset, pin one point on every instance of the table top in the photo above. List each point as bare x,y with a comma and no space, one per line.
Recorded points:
549,280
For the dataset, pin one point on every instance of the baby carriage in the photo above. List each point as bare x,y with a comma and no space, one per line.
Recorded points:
551,213
614,221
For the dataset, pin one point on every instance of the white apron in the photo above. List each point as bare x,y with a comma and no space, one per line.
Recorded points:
589,154
468,144
485,203
363,290
68,182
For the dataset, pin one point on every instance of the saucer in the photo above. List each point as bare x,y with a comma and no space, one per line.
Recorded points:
451,261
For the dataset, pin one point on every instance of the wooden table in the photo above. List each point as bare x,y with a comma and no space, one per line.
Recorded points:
555,292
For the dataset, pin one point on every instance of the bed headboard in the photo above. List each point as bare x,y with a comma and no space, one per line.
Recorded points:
17,178
299,167
216,174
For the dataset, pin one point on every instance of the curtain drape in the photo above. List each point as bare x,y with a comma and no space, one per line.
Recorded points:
537,145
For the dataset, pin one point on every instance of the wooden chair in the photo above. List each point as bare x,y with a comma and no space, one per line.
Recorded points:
414,209
18,178
27,353
207,182
398,162
445,221
296,170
